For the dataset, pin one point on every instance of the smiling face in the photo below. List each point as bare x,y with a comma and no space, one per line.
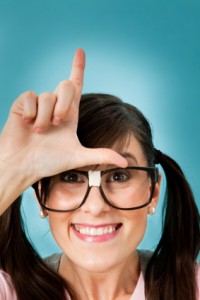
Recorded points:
97,237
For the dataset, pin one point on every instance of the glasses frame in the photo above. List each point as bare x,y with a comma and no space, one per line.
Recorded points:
152,171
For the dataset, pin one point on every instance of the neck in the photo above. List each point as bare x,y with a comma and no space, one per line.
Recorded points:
116,283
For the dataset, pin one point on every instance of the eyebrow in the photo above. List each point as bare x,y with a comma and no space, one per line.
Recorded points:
128,155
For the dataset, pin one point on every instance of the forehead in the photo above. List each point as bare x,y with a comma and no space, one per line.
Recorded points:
131,149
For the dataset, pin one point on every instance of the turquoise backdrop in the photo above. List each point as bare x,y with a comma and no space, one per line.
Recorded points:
146,52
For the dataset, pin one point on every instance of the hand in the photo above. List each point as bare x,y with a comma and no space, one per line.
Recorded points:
40,133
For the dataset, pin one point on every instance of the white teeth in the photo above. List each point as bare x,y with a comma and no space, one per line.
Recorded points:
95,231
110,229
100,231
105,230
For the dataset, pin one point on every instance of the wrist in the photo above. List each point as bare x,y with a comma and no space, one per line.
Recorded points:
14,180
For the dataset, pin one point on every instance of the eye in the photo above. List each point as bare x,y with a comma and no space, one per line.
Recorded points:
72,177
118,176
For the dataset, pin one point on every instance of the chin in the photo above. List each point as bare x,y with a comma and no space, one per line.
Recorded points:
99,261
96,265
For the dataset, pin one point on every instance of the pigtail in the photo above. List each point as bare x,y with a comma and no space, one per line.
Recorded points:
31,278
170,273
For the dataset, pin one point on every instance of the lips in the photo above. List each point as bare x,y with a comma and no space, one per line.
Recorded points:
97,233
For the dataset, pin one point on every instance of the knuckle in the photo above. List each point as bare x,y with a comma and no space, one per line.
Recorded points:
107,155
46,97
29,114
28,94
67,84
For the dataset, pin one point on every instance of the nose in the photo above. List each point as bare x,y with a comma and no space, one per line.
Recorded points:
94,203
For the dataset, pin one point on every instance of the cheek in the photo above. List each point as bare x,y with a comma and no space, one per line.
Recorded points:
135,227
59,224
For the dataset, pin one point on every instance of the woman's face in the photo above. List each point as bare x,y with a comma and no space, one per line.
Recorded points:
74,231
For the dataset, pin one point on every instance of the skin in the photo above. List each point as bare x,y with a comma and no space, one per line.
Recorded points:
102,270
37,134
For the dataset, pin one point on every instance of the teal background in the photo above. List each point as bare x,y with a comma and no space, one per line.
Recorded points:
146,52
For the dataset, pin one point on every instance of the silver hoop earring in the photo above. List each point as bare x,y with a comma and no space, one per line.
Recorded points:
151,210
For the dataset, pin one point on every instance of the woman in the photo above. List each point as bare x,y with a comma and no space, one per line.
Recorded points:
97,200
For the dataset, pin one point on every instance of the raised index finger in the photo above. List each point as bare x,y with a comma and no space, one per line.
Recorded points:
77,72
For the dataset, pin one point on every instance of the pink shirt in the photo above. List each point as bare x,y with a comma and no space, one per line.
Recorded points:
7,291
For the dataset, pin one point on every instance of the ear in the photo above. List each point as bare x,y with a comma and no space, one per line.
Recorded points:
156,193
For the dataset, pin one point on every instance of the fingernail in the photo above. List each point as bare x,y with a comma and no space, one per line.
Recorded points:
57,121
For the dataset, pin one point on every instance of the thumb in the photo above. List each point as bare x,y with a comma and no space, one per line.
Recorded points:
100,156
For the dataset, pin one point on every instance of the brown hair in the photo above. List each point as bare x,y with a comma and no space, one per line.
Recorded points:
170,273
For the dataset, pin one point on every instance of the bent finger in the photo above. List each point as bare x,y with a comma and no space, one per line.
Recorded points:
46,103
25,105
65,93
30,107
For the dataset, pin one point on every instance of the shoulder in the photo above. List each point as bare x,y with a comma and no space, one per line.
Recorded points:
7,290
53,261
144,256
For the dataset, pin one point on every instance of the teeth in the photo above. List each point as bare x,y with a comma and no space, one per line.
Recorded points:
95,231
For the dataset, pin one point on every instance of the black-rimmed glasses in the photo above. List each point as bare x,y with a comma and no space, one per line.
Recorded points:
121,188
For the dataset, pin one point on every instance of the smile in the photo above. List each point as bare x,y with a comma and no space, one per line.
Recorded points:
100,233
96,231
